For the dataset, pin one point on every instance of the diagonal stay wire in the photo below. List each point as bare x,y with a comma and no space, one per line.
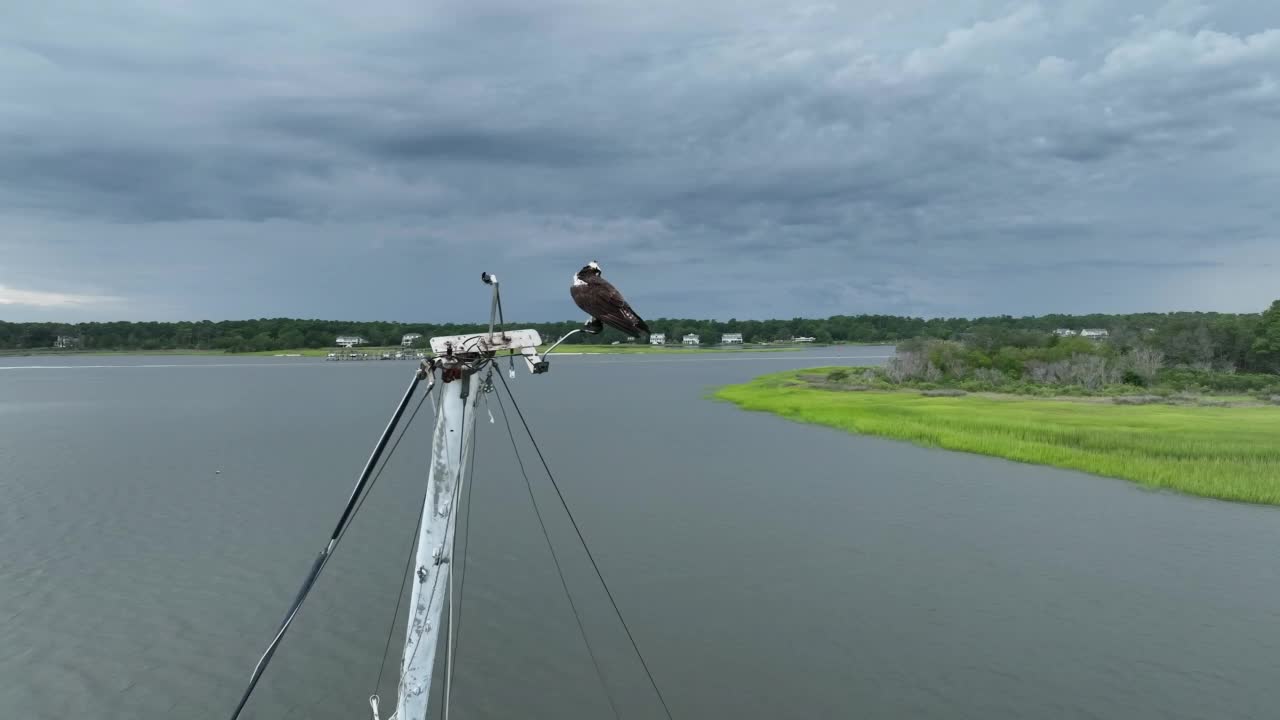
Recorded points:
322,560
413,541
385,462
404,579
585,547
529,485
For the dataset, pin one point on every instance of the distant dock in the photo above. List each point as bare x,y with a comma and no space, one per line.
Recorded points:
396,355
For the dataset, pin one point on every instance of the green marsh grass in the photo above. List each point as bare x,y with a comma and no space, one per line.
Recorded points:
1229,453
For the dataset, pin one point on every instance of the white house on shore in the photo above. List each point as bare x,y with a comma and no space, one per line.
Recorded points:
657,338
691,339
731,339
1064,332
347,341
407,339
1093,333
66,341
803,339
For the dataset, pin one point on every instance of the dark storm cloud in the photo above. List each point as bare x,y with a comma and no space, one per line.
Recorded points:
415,141
957,158
150,183
536,147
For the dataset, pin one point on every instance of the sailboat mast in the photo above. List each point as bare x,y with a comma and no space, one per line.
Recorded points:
460,360
452,445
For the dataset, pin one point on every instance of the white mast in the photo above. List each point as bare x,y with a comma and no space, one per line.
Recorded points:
461,360
451,450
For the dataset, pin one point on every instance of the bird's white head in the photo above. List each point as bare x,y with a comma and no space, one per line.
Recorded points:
588,271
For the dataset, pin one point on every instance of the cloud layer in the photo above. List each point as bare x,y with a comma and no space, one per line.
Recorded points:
748,158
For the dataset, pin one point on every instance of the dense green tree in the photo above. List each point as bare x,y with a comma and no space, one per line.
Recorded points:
292,338
1191,345
1243,342
1266,344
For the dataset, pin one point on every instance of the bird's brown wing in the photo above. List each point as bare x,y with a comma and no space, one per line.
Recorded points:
602,300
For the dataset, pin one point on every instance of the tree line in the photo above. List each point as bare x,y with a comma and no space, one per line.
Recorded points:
1234,355
1066,366
1243,341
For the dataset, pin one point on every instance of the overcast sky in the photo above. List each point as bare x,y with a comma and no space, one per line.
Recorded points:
162,159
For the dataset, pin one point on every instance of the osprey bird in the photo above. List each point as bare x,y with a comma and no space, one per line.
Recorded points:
602,301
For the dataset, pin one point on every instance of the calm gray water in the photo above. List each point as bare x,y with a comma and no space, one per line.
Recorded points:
768,569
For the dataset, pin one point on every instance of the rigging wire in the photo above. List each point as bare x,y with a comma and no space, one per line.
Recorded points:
555,559
404,580
374,480
317,566
413,540
585,547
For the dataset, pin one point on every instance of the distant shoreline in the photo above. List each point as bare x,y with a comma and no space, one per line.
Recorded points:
628,349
